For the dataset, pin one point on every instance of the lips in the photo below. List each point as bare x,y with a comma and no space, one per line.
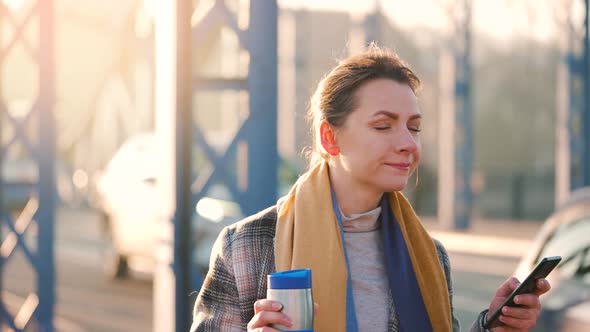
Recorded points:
400,166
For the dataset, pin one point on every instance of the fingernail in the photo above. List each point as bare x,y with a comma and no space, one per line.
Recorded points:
277,306
288,322
517,299
505,310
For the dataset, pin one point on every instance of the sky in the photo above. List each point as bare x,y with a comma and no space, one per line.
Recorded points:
497,18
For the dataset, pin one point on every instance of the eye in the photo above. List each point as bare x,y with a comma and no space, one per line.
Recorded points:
382,127
415,129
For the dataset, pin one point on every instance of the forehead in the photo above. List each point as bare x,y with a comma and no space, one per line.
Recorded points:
385,94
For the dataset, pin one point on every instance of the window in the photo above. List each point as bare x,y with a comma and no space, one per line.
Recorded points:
572,242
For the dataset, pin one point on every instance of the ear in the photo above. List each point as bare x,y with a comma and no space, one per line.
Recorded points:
327,138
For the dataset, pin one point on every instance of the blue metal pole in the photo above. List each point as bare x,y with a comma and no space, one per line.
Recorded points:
579,103
372,29
46,152
585,134
464,134
262,127
183,212
574,119
1,193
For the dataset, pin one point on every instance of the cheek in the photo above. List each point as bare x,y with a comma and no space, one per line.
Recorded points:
417,155
378,153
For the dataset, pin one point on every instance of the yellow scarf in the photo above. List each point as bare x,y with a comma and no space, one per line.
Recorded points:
308,236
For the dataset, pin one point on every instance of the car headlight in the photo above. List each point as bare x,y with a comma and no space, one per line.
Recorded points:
210,209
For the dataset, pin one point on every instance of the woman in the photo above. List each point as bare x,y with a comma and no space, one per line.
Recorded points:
374,266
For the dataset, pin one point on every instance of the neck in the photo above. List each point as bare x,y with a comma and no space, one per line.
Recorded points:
352,197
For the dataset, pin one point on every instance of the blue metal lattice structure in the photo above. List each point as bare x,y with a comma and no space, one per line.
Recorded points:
579,114
40,209
256,137
259,130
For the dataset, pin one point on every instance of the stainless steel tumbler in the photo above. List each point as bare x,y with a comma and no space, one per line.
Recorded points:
293,290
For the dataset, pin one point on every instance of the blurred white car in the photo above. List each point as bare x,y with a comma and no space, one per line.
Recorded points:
128,199
566,233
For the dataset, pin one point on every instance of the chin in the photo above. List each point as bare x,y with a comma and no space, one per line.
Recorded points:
391,186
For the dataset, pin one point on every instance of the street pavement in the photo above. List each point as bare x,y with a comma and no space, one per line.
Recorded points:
482,258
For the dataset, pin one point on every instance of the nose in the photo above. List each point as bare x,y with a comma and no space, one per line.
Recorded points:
406,143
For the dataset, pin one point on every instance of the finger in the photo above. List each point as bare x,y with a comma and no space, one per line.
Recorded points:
522,324
519,313
267,305
265,329
507,287
528,300
543,286
265,318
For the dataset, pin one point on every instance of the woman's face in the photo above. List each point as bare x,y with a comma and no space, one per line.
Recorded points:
379,142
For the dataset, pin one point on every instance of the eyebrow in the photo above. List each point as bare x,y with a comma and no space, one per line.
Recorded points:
395,116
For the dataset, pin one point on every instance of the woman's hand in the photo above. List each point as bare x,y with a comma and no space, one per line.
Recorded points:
521,318
267,312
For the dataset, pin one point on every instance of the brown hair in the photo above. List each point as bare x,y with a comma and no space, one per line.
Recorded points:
334,98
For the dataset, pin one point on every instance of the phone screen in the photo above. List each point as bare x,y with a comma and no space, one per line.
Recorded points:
542,270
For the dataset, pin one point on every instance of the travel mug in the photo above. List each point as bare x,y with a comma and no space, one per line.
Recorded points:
293,290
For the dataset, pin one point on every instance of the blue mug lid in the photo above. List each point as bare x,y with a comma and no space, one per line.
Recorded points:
293,279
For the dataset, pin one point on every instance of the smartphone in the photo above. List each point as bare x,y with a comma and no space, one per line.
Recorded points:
542,270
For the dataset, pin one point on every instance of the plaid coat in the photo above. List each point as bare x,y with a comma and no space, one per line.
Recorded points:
242,257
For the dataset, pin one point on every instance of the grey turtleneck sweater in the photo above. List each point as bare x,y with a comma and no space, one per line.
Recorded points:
364,246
